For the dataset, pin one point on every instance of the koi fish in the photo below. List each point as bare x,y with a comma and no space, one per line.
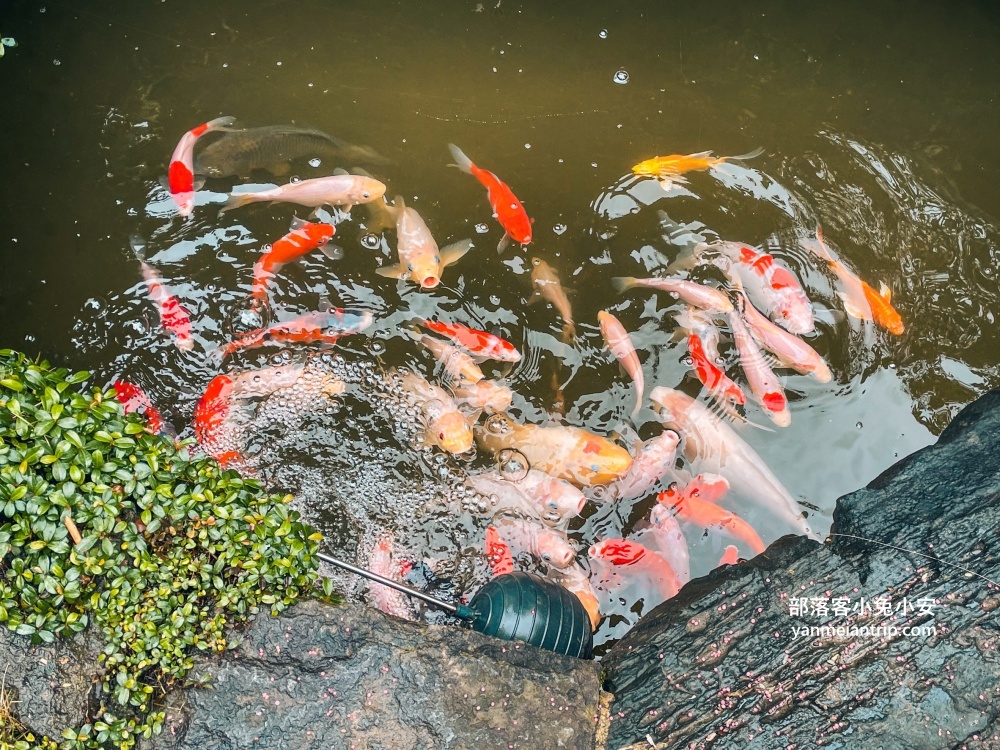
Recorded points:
210,415
135,401
699,295
553,501
701,512
730,556
457,364
180,174
445,426
507,209
548,287
498,554
770,285
173,316
652,461
764,384
570,453
576,579
382,562
315,327
670,169
304,237
343,190
664,536
478,343
860,300
419,256
618,341
714,446
703,346
486,395
544,544
790,350
626,554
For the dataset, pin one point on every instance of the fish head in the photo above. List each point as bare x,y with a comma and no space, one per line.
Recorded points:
647,168
671,404
365,190
560,497
617,551
425,269
794,313
319,233
554,550
708,487
661,449
449,430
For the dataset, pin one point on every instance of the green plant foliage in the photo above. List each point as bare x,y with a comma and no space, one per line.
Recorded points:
173,549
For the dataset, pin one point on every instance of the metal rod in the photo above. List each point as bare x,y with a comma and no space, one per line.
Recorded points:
459,610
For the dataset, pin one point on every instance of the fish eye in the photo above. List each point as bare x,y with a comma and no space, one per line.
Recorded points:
441,436
437,259
409,266
366,196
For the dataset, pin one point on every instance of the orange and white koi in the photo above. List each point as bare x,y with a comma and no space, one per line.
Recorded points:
135,400
548,287
670,169
618,341
498,553
304,237
476,342
342,190
769,284
325,327
764,384
542,543
625,554
690,507
570,453
860,300
420,260
703,346
790,350
444,425
383,562
457,364
173,316
507,209
180,174
653,460
691,292
711,445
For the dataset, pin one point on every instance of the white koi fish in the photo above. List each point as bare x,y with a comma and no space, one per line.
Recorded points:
618,341
389,600
790,350
420,260
342,190
653,460
542,543
552,501
700,296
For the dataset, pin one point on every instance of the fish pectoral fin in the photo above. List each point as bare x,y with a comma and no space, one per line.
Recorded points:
536,296
331,251
392,272
454,251
297,223
199,183
854,310
164,182
503,244
885,292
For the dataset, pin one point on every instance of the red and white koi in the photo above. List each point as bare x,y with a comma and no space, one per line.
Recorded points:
303,238
382,561
703,347
498,553
478,343
135,401
180,174
711,445
618,341
764,384
631,558
173,316
507,209
324,327
703,297
790,350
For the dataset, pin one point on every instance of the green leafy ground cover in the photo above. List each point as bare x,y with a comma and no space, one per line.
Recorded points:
173,550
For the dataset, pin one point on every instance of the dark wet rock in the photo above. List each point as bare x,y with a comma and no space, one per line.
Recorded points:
719,666
348,676
50,682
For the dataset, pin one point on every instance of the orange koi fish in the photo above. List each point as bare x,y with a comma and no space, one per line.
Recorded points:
618,341
507,209
479,343
420,260
210,414
304,237
548,287
577,579
180,175
446,427
498,554
701,511
670,169
315,327
135,400
860,300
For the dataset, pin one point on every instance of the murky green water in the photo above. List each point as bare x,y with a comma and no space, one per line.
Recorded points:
878,121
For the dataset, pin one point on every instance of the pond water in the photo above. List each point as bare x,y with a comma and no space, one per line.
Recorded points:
878,121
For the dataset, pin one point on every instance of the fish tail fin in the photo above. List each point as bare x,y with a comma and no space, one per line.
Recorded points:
462,161
221,123
820,247
749,155
236,200
138,245
623,283
569,333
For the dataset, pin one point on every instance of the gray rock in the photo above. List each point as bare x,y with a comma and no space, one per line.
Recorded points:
50,682
719,666
351,677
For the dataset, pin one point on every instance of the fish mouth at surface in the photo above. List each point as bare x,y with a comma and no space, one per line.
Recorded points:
430,282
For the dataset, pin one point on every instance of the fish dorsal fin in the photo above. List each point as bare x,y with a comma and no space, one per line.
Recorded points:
297,223
885,292
340,171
